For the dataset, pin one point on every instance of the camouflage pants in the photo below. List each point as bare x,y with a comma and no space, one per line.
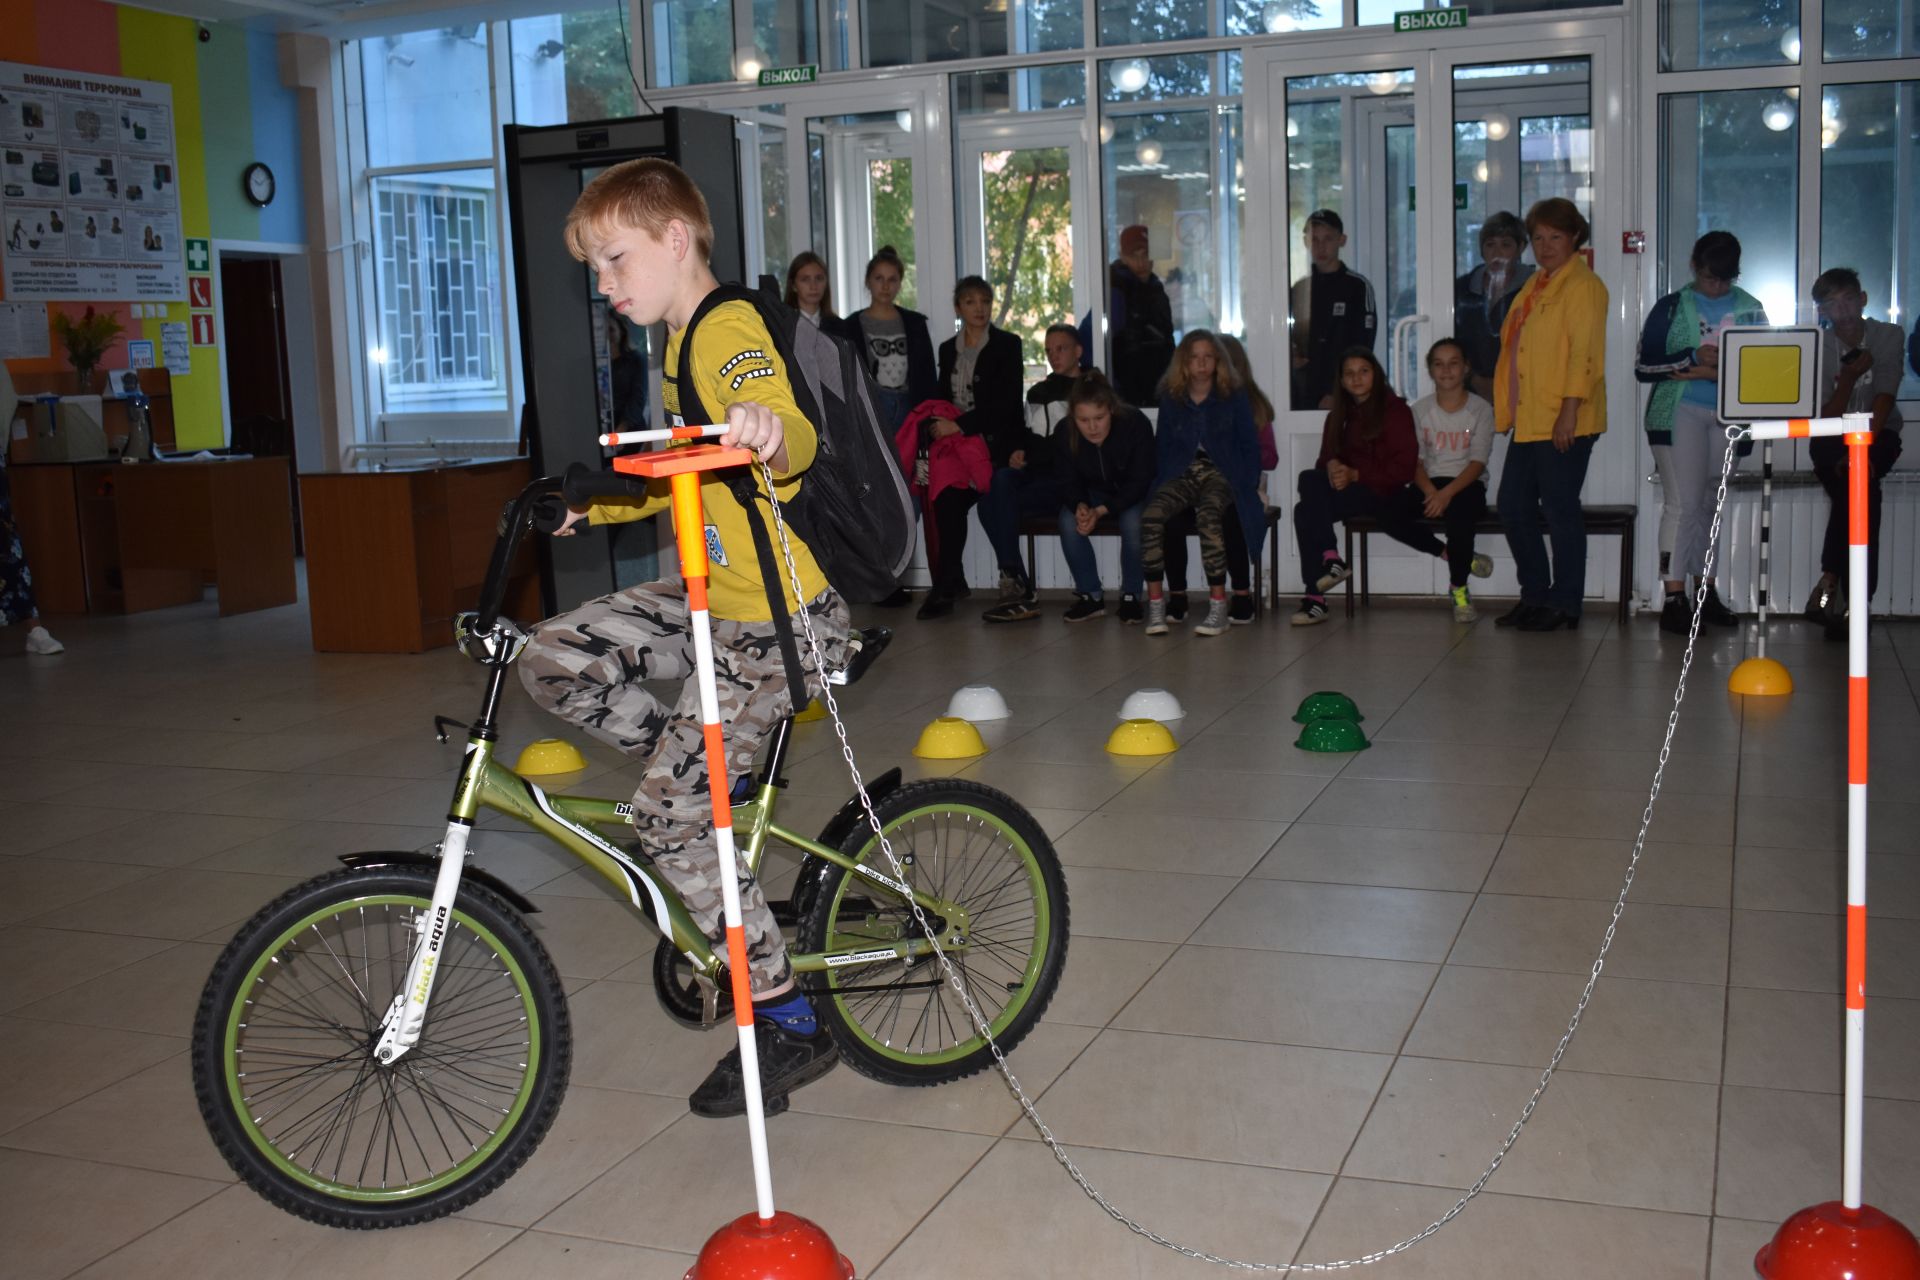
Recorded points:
1205,490
586,666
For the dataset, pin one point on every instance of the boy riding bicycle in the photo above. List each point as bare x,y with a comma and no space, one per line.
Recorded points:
643,228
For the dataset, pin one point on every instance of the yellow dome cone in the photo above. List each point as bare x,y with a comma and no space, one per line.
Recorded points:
816,710
1141,738
1761,677
549,755
950,738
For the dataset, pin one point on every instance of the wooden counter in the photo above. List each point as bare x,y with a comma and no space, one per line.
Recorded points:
393,555
108,537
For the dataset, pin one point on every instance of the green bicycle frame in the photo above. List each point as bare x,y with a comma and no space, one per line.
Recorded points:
572,822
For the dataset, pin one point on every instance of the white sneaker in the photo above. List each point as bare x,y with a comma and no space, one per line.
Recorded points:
1216,622
1463,610
1156,615
1309,613
1482,565
38,641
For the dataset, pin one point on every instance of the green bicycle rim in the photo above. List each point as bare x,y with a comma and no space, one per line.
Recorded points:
1042,940
509,1120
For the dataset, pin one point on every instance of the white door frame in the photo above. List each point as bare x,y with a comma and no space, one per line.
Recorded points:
1605,42
974,136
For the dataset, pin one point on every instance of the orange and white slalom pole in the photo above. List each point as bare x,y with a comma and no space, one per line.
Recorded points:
660,435
1851,1237
689,531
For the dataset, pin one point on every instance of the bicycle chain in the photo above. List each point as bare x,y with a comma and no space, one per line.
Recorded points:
1027,1105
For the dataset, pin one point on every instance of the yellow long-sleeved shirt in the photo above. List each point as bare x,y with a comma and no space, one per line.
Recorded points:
1559,352
733,361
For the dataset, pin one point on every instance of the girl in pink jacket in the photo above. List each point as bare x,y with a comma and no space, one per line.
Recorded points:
948,470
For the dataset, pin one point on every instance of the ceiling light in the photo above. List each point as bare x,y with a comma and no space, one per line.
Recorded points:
1790,45
1277,17
1778,115
1129,75
1383,82
1151,152
1498,126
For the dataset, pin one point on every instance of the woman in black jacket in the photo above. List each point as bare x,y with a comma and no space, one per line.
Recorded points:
1106,469
981,370
893,341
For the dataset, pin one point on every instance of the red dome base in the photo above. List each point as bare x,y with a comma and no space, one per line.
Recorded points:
1832,1242
783,1247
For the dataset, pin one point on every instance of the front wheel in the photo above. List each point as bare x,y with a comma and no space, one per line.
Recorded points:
978,849
283,1061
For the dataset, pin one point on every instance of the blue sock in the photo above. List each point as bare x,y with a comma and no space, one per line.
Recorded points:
791,1012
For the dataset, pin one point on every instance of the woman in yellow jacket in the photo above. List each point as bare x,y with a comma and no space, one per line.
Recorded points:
1550,392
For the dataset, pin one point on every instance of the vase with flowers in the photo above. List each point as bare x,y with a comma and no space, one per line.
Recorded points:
86,341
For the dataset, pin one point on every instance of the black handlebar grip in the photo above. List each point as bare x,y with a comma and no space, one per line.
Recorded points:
581,485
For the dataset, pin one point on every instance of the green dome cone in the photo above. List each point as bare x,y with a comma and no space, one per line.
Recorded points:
1331,734
1319,706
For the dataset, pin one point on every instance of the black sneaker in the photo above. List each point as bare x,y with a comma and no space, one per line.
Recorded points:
787,1061
937,605
1130,610
1716,613
1176,605
1240,609
1676,616
1085,607
1332,574
1018,609
898,600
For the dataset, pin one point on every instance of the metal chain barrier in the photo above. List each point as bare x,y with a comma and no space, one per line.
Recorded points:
1027,1106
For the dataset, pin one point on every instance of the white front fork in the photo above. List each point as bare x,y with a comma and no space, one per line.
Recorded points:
408,1012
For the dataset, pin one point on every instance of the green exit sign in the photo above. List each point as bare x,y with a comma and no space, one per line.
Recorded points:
1430,19
790,75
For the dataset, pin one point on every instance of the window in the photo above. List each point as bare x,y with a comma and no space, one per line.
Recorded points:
1857,29
437,310
1152,21
571,66
1696,34
1170,161
437,274
786,33
1870,194
428,97
692,41
977,93
1716,151
901,32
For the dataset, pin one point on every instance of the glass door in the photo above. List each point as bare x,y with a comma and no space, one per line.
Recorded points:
1022,211
1391,165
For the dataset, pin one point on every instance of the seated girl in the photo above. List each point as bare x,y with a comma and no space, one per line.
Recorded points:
1106,469
1368,456
1208,463
1455,429
947,470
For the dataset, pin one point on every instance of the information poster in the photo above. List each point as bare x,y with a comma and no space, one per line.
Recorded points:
89,198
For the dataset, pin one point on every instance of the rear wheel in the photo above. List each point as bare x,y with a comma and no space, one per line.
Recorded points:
903,1022
283,1060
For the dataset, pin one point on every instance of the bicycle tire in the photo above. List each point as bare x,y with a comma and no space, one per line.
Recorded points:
1005,873
325,959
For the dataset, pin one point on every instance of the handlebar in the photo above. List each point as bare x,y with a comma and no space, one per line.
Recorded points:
513,522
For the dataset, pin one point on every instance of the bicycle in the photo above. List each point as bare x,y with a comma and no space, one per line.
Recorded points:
363,1060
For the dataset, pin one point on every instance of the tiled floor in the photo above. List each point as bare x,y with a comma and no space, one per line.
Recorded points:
1306,997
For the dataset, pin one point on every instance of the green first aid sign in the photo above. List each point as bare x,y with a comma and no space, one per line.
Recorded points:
1429,19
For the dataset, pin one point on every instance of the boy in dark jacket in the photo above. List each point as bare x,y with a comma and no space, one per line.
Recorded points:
1105,461
1333,310
1028,485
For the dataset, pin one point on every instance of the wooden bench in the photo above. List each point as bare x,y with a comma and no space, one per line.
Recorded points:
1617,520
1264,587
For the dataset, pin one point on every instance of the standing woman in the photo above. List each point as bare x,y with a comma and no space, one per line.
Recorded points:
1680,356
807,290
893,341
1550,393
1209,462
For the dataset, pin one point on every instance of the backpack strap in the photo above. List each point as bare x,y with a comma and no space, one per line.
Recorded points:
744,492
